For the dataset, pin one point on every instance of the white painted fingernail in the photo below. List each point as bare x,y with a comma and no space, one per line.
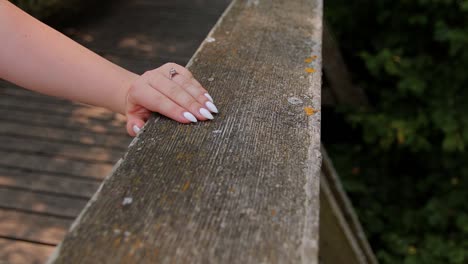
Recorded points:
209,97
212,107
136,129
190,117
206,113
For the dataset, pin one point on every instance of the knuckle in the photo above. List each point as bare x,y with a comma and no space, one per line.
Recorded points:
192,104
186,72
202,98
147,73
186,83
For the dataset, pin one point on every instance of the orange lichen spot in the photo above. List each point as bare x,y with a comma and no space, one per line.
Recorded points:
310,59
273,212
310,70
309,110
117,242
186,186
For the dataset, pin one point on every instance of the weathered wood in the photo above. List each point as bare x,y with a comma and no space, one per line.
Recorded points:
45,182
240,189
60,149
340,230
41,203
123,39
109,127
57,108
56,164
174,26
19,252
10,90
64,135
31,227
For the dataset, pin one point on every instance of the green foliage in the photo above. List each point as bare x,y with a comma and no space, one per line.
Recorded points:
412,56
411,211
411,188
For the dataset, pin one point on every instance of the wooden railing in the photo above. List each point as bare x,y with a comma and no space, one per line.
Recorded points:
243,188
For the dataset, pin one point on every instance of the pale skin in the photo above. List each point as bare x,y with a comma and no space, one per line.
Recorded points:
39,58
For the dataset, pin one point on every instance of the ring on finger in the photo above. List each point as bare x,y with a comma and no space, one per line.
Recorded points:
172,73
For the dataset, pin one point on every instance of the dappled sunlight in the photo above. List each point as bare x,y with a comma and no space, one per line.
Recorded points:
140,43
80,36
6,181
51,232
98,120
88,111
17,252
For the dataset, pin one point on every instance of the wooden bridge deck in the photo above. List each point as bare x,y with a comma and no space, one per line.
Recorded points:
54,153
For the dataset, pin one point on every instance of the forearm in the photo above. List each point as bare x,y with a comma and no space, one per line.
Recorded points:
40,58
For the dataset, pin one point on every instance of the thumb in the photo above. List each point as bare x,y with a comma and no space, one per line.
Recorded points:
134,124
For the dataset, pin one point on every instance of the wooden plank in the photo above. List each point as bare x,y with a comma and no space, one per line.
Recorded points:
46,204
31,227
59,108
9,89
56,164
39,181
21,252
110,127
337,244
51,148
172,33
240,189
64,135
340,229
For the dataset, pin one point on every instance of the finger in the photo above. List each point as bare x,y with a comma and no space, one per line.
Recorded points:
178,95
196,87
196,92
136,119
134,124
155,101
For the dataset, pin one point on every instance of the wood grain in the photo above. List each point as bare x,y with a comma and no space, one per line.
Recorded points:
19,252
64,135
243,188
47,204
55,164
53,149
31,227
48,183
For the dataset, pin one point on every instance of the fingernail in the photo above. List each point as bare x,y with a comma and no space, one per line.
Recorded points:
209,97
136,129
212,107
206,113
190,117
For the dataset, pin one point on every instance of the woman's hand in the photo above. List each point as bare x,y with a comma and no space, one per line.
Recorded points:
181,97
73,72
